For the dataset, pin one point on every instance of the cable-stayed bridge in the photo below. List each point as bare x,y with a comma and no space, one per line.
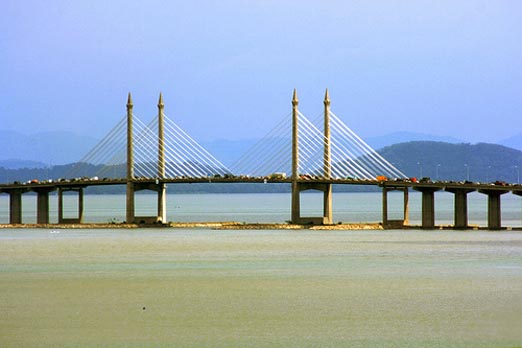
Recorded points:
308,154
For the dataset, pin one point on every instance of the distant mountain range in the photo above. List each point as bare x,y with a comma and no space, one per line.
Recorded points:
55,148
437,160
379,142
444,161
42,149
228,151
514,142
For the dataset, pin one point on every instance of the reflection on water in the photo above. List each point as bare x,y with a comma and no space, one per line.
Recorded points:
348,207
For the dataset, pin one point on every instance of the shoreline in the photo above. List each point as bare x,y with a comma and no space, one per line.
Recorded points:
234,225
218,225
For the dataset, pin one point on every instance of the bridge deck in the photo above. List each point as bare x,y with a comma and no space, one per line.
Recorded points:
448,186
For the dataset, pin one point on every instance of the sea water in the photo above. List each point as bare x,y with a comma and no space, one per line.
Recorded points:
212,288
157,287
269,207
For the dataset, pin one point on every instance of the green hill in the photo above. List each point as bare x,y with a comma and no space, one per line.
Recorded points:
444,161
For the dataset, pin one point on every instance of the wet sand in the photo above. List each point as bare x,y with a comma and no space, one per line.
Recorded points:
304,288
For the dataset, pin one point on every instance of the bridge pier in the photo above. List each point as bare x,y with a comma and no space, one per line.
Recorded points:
161,189
130,212
461,206
494,210
326,219
15,206
162,204
79,218
406,209
134,186
42,205
428,205
299,186
130,204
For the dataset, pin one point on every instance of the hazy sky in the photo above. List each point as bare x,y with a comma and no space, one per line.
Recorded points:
227,68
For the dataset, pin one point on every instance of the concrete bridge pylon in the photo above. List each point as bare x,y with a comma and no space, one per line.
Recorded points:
132,185
297,185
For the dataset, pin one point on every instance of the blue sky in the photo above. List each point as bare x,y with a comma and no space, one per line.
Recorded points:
227,68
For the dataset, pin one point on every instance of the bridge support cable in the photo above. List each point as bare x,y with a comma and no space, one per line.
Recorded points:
176,163
141,152
311,148
341,158
101,152
98,153
393,172
351,157
193,151
361,166
275,160
339,168
358,157
336,151
145,155
371,152
269,155
363,156
252,154
183,168
258,157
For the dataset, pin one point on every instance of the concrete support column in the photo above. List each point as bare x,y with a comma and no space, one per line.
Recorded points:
461,209
327,193
161,139
384,207
518,193
162,188
494,210
406,206
296,202
60,205
80,205
130,208
428,205
428,209
162,203
42,207
327,205
15,207
461,206
296,206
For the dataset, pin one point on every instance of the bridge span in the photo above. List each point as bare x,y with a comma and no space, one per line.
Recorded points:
336,156
427,189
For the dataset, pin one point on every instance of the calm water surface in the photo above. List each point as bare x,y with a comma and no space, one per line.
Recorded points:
205,288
